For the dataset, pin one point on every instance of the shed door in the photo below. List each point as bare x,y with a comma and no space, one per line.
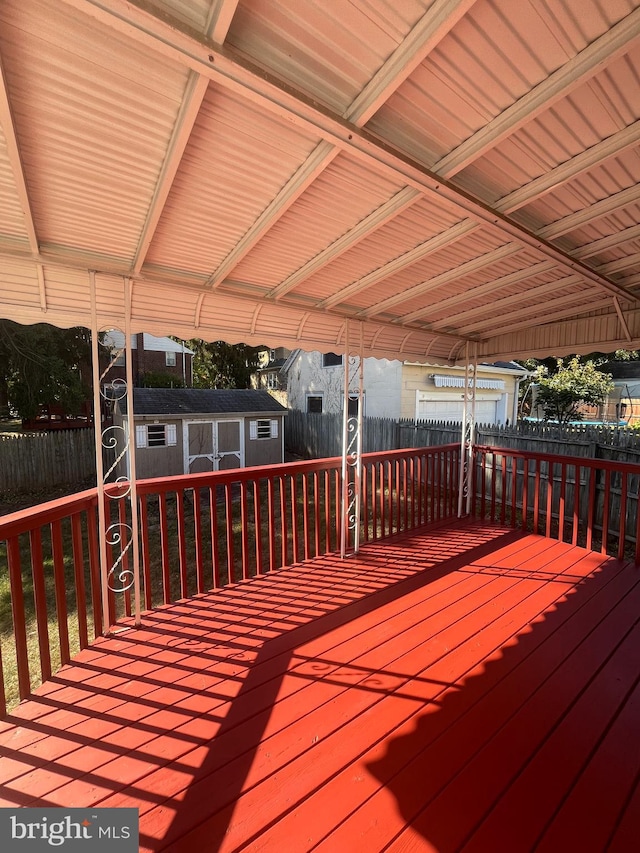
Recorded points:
229,437
212,446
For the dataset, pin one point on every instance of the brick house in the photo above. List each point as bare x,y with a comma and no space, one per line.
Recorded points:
151,355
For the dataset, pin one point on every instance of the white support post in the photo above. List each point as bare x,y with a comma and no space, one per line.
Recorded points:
468,433
97,430
351,445
117,577
131,466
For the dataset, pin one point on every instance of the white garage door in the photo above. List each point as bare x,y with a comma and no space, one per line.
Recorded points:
451,410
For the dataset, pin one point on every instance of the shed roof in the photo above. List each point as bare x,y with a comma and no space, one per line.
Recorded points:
195,401
434,172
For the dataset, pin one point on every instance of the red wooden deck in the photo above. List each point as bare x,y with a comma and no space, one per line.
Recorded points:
465,687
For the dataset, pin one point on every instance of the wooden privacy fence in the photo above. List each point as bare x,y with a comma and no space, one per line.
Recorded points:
314,436
588,502
33,461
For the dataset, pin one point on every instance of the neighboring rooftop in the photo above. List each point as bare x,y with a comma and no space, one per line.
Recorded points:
198,401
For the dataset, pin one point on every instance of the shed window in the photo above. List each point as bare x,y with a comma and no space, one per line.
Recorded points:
263,429
156,435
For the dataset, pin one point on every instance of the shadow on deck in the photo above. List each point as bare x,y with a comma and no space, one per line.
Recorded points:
465,686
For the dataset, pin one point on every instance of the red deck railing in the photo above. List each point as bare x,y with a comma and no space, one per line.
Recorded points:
588,502
197,533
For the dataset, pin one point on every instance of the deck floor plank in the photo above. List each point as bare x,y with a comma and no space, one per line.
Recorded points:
412,698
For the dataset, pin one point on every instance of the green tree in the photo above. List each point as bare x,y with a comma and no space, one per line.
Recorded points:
222,365
40,365
561,394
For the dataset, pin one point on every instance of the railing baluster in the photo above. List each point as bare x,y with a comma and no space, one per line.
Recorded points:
228,516
561,506
215,538
60,590
536,499
18,613
328,519
164,546
284,533
182,543
317,515
124,565
550,483
197,533
605,511
143,515
591,515
78,571
258,527
94,569
305,515
525,494
40,601
576,503
244,531
622,524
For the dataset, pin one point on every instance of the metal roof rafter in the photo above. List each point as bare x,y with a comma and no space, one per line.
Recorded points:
573,73
15,161
217,27
425,35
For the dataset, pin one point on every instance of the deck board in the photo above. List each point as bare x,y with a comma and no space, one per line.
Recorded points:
412,698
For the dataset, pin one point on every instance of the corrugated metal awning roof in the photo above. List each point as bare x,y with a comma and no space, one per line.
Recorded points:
437,172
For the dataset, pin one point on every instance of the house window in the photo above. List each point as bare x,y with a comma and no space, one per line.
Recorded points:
272,380
314,404
263,429
156,435
170,359
331,359
353,406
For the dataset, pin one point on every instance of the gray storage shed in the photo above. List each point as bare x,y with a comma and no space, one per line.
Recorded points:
188,430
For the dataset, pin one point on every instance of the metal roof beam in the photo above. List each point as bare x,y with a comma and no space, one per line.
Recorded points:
434,25
15,161
239,75
194,95
500,322
573,73
596,211
489,287
219,20
567,313
399,202
321,157
433,244
495,308
612,241
551,180
216,28
471,266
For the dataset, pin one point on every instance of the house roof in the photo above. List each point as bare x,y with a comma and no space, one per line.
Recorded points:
115,339
195,401
404,178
